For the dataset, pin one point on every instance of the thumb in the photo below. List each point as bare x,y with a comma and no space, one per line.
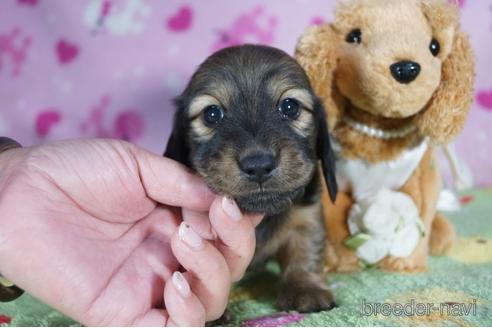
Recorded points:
168,182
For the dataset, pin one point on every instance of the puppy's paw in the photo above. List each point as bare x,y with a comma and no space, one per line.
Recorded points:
305,298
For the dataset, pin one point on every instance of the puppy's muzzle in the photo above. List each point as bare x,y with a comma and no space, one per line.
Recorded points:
405,71
258,166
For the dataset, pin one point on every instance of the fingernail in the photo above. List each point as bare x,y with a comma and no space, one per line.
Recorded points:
230,208
181,284
190,237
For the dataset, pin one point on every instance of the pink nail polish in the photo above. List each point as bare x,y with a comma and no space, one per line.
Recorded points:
181,284
231,209
189,236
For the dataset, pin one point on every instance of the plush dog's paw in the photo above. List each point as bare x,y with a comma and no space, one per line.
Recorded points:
443,235
416,262
341,259
402,264
349,264
305,298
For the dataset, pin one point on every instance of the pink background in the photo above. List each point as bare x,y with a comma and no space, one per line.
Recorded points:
109,68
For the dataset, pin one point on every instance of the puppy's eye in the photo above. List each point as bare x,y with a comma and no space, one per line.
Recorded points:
355,36
434,47
289,108
212,115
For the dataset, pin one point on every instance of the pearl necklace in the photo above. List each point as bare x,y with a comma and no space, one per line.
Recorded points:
379,133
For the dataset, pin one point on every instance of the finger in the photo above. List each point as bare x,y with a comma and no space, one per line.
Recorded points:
256,219
171,183
200,223
184,307
236,233
211,278
153,318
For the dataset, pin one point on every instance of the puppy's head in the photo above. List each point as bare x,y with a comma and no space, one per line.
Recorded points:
249,123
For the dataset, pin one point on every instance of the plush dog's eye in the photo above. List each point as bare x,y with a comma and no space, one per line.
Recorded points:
289,108
212,115
434,47
355,36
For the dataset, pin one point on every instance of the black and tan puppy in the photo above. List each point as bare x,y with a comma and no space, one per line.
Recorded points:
249,124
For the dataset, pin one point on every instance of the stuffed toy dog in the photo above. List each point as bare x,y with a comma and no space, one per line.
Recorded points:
396,78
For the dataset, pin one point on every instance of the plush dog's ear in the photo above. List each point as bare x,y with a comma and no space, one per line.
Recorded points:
446,112
325,152
316,52
177,145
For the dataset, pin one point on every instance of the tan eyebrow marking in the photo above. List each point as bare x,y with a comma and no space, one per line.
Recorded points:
304,123
199,130
278,84
199,103
301,95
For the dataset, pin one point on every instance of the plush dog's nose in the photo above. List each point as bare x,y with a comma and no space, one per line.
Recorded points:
258,166
405,71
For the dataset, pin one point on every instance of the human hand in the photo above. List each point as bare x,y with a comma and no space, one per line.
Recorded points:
92,228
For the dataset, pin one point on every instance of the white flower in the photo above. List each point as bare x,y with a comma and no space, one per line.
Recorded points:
405,241
374,250
386,224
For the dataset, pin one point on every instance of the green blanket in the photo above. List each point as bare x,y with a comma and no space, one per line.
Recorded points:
455,290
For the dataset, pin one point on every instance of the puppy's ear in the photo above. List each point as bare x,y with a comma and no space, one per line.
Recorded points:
446,112
177,145
325,152
316,52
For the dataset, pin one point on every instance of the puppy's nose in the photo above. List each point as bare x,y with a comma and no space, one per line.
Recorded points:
258,166
405,71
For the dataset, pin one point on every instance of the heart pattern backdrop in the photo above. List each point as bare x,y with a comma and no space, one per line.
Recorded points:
110,68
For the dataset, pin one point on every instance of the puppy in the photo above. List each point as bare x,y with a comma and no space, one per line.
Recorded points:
249,123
